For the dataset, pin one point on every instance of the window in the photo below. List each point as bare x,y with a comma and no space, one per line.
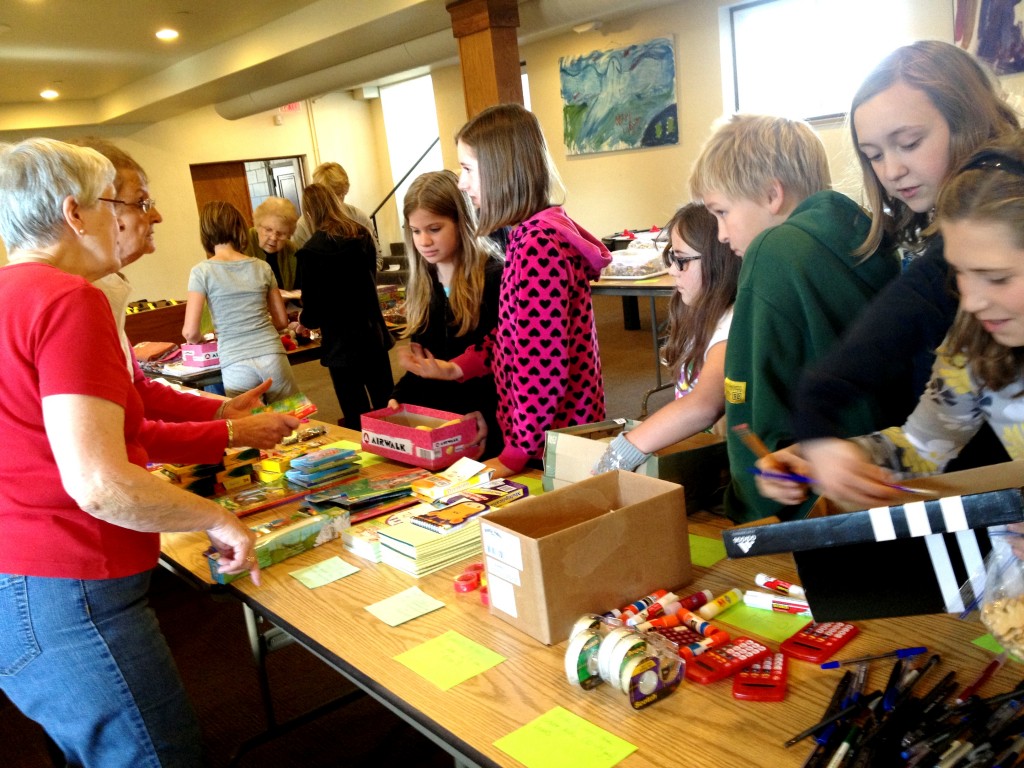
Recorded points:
805,59
410,122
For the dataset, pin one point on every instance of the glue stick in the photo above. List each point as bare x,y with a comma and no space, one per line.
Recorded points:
720,603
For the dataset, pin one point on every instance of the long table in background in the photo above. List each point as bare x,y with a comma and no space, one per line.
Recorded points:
631,291
697,725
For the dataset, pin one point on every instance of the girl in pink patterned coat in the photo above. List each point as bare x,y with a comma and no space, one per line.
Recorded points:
543,352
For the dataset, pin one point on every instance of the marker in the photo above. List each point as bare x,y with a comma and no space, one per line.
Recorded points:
777,603
986,673
780,586
720,603
900,653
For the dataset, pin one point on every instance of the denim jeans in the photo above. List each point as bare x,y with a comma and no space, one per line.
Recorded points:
242,375
86,660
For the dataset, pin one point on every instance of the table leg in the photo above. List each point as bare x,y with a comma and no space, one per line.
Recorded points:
654,338
630,313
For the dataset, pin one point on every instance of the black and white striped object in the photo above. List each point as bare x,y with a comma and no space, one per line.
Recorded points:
890,561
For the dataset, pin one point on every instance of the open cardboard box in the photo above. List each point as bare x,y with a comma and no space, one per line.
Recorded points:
423,437
699,463
903,560
586,548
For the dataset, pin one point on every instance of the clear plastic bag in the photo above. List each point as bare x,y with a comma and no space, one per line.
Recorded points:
998,594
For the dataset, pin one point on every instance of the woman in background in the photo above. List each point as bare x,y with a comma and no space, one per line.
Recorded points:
337,271
245,303
270,239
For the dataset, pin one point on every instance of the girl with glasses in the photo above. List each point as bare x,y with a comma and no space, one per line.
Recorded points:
700,313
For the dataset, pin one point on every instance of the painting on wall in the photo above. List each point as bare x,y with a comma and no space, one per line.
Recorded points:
620,99
991,29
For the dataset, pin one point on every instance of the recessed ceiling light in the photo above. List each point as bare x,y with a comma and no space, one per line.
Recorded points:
49,94
167,34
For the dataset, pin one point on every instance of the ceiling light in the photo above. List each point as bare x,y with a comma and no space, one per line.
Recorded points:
49,94
167,34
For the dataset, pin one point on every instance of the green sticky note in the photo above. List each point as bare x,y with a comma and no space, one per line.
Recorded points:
768,624
449,659
560,739
324,572
365,459
705,552
533,484
404,606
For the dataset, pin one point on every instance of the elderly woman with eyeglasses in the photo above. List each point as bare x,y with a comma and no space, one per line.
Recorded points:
80,516
270,240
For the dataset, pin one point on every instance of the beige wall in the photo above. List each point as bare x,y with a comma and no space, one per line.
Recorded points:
606,192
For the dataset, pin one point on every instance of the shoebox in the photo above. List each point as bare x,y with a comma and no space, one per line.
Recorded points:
422,437
200,355
585,548
903,560
699,463
286,537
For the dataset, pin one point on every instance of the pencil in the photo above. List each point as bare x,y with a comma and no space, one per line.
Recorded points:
752,441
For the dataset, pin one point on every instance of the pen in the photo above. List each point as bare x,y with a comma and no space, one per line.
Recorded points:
892,688
986,673
913,676
900,653
780,475
834,705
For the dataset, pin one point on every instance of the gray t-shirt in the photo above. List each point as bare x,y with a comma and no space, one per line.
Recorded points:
236,292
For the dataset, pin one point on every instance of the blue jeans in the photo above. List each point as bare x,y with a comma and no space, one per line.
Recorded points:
86,660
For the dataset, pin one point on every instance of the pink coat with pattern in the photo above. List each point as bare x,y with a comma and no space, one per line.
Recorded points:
543,352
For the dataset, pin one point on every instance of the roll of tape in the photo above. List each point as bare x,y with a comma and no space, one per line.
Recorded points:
625,651
583,623
645,670
581,659
608,643
467,582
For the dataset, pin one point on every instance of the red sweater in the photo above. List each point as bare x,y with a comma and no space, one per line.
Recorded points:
57,336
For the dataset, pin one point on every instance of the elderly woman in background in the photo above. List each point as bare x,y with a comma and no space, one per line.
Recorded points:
270,239
82,653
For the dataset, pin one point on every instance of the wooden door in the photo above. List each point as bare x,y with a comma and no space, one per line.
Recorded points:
222,181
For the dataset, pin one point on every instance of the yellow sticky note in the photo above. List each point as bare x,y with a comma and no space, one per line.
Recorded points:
324,572
705,552
560,739
449,659
404,606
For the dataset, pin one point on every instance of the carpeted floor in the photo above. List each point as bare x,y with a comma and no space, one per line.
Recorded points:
208,639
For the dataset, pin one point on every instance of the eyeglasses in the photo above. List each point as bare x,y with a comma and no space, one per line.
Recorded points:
680,259
146,205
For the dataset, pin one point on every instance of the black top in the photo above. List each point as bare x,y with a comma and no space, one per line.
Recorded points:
438,336
886,356
339,296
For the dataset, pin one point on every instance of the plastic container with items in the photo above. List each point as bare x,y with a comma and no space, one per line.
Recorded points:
635,255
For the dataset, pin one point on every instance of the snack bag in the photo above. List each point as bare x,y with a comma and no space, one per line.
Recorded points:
1000,599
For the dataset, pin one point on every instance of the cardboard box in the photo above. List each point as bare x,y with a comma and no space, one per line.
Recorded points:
200,355
586,548
903,560
423,437
699,464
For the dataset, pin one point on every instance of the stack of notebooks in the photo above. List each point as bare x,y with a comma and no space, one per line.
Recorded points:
323,466
446,532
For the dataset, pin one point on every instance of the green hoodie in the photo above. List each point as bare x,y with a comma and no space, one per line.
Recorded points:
799,289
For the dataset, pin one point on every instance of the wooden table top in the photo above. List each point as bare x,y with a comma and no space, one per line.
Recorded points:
698,723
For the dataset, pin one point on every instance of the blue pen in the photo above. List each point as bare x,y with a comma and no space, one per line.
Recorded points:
781,475
900,653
